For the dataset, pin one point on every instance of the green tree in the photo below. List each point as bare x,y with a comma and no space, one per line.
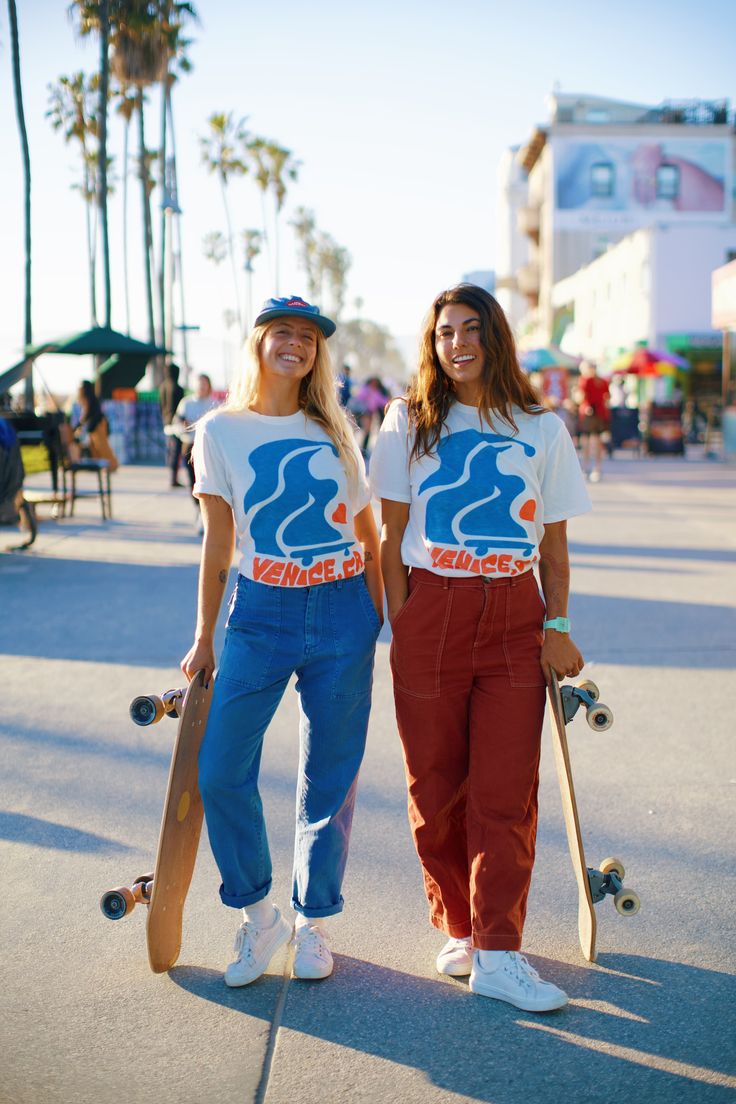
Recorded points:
71,110
222,149
252,244
20,116
272,166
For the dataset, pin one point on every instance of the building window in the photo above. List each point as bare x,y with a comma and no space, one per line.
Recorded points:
668,182
602,178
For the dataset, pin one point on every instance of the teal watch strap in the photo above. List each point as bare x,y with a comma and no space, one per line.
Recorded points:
562,624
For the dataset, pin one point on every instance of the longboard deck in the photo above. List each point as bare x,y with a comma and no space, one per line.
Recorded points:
586,909
181,826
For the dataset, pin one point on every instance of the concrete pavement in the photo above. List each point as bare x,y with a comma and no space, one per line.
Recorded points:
96,613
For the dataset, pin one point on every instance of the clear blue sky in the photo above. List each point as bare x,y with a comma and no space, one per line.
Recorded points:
399,112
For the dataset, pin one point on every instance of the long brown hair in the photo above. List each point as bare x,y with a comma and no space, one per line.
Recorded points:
503,383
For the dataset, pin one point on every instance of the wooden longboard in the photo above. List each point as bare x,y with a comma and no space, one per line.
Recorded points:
181,826
165,890
586,910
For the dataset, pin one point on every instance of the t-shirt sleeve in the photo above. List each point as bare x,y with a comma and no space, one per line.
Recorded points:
564,494
389,468
210,469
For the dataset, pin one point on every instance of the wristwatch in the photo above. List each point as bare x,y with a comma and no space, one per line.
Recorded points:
562,624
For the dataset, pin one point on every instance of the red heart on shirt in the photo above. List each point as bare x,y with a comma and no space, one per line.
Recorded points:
341,514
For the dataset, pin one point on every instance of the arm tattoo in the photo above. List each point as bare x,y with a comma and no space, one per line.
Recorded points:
367,557
222,576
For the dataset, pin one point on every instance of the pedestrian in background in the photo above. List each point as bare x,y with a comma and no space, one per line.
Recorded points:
592,397
476,481
278,474
170,395
188,413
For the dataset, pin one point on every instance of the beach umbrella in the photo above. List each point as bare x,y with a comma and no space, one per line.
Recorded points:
644,361
547,356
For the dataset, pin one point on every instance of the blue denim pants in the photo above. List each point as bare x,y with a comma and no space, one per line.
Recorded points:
327,635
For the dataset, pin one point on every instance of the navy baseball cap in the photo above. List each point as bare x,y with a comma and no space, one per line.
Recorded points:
295,307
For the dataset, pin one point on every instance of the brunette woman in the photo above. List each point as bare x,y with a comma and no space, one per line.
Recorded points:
476,482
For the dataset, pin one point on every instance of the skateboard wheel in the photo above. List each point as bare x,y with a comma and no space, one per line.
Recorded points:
600,717
627,902
146,710
590,688
613,866
117,903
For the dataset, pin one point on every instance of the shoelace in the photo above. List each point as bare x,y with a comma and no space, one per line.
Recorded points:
244,940
310,939
520,969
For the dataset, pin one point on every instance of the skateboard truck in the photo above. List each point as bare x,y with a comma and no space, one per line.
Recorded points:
117,903
150,708
598,716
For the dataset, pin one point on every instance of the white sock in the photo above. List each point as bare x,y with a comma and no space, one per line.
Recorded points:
490,960
306,921
261,913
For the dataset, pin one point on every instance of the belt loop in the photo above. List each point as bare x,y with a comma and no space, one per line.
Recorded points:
445,581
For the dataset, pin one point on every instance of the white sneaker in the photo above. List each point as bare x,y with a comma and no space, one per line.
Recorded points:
455,958
254,949
514,980
312,958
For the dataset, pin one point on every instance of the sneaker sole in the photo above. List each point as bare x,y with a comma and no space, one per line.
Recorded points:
455,970
310,977
281,940
526,1006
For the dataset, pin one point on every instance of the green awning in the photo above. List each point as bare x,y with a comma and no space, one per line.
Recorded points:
121,370
99,341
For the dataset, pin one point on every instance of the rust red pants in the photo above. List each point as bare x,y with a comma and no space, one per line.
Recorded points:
469,692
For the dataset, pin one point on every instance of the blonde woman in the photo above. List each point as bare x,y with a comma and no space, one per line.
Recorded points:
279,476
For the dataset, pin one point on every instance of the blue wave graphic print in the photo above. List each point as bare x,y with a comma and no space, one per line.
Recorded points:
286,504
469,504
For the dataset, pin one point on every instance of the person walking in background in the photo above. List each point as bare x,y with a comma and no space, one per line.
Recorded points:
188,412
278,473
344,385
476,481
592,397
170,395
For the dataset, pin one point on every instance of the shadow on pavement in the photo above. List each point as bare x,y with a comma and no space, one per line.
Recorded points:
652,1029
713,555
59,837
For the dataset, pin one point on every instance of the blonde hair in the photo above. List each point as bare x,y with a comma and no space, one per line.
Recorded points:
317,395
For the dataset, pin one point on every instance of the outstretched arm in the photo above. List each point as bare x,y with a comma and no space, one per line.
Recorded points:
560,654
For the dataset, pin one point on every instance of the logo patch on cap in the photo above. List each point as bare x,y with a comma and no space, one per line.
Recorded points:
297,303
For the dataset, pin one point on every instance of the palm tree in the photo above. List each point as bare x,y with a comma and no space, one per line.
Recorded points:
95,17
305,227
172,15
272,166
126,108
251,249
20,115
71,111
222,148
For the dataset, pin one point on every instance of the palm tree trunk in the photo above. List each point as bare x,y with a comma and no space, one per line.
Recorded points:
126,289
231,251
177,223
91,248
163,235
147,236
102,163
20,114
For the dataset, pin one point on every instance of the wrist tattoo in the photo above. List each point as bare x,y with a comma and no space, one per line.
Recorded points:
223,576
367,557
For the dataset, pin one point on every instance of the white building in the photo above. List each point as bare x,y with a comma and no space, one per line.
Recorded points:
653,287
602,171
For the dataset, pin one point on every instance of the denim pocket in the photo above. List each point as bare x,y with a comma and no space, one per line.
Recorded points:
523,633
253,631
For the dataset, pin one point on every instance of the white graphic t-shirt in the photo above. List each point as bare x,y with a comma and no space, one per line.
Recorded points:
479,504
289,494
